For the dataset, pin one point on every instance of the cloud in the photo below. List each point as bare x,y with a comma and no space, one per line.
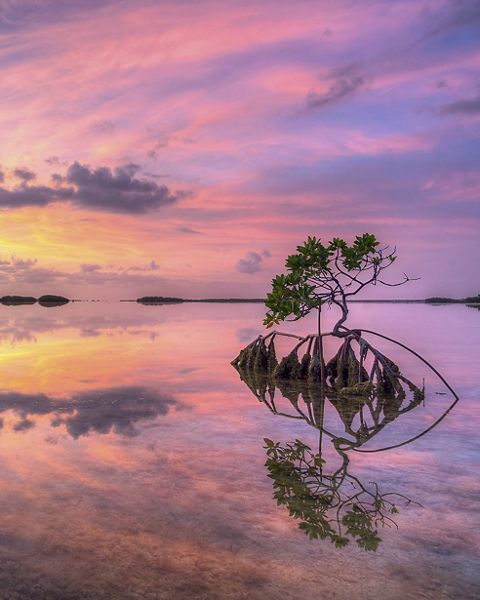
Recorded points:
151,266
15,334
457,14
24,174
23,425
252,263
55,161
28,14
14,267
156,175
189,230
29,195
25,276
464,107
103,127
57,178
111,190
346,83
89,268
117,190
23,264
440,185
25,327
115,409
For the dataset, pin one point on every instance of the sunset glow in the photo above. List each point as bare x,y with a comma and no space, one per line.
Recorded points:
185,147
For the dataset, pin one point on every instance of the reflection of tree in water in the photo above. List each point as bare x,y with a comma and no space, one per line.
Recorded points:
116,409
333,504
363,416
365,386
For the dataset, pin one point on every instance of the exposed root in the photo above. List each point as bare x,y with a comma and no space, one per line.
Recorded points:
345,373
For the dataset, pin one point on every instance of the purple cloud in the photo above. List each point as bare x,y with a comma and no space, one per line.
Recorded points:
24,174
467,107
116,190
253,262
189,230
346,82
89,268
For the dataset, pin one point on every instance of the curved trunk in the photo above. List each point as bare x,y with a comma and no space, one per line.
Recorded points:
320,348
339,324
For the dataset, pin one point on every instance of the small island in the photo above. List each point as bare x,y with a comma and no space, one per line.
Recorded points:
46,300
17,300
51,300
159,300
446,300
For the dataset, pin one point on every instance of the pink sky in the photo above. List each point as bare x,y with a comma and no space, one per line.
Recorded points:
194,144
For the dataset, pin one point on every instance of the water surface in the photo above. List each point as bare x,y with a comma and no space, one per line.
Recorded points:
132,461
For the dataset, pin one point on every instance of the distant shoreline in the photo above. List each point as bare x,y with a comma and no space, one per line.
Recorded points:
51,300
155,300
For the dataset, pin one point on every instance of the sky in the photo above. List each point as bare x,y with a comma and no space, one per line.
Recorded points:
182,147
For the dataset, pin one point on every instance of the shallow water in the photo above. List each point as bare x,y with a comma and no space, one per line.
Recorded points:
132,461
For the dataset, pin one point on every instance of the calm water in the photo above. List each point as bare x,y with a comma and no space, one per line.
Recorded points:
132,461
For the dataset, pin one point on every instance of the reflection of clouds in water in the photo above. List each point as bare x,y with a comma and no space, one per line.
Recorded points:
16,334
89,332
116,409
23,425
101,411
21,328
29,404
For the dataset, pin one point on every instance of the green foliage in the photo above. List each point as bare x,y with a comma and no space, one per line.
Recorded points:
336,507
319,273
359,525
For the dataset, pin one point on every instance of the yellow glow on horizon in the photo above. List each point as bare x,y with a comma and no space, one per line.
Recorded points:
51,366
64,238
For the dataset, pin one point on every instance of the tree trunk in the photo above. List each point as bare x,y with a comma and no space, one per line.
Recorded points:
320,348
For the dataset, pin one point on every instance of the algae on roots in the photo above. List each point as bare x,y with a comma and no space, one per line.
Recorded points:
289,367
344,370
345,373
